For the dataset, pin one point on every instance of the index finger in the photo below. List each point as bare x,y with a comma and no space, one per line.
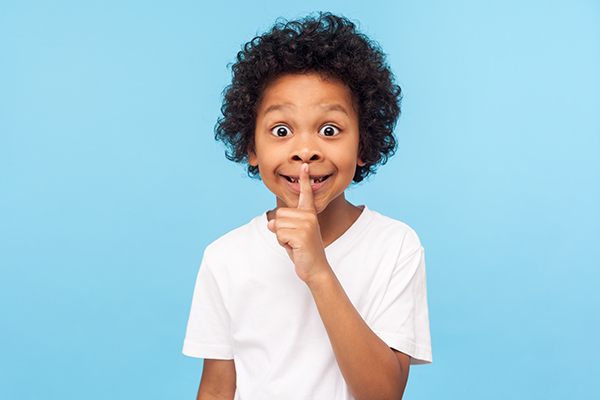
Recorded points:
306,200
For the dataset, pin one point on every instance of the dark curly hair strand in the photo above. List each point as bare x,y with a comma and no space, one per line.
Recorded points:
327,45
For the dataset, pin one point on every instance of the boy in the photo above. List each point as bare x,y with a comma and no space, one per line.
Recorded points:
318,298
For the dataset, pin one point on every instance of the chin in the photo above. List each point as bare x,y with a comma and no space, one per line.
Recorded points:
320,207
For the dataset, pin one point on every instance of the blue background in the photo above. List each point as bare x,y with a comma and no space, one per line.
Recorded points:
111,186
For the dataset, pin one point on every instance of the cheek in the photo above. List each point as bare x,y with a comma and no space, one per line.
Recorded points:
353,160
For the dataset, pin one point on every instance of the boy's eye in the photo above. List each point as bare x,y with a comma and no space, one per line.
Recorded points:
329,130
281,131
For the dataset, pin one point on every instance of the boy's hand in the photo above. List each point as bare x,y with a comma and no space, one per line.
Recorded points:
298,231
369,366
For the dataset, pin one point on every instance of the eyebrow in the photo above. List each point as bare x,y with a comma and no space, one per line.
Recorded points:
277,107
334,107
324,107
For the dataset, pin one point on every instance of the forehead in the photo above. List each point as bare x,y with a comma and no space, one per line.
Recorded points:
302,91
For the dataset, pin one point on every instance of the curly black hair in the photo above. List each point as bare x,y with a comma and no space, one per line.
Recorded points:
327,45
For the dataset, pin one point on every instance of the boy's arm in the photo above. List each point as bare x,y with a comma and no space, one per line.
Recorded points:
371,369
218,380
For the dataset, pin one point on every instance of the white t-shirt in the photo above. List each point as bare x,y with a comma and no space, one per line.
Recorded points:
250,306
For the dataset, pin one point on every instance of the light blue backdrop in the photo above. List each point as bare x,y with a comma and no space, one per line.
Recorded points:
111,186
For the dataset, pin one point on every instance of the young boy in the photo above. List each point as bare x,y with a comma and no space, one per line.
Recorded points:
317,298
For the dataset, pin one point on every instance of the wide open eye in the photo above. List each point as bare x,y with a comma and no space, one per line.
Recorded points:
329,130
281,131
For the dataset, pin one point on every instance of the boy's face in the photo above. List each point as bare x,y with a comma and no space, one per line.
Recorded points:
306,119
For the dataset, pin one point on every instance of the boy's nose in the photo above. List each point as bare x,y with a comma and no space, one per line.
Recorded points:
306,153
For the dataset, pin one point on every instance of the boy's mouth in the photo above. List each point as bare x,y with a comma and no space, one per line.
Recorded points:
313,180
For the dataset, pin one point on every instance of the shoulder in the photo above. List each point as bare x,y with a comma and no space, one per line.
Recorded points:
237,241
383,228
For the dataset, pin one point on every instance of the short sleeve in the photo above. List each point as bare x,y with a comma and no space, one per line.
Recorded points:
208,332
402,318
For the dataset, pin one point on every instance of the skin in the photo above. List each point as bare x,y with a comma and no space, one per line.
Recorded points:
294,141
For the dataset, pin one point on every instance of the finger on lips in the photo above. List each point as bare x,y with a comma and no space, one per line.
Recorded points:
305,201
288,218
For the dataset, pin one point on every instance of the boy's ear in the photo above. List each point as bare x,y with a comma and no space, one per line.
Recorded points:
252,159
359,160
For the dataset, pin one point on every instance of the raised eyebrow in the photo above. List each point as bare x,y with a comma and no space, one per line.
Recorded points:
277,107
334,107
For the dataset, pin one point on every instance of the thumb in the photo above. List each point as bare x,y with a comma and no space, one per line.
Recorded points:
271,225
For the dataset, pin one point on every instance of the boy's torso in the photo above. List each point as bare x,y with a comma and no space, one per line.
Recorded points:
276,334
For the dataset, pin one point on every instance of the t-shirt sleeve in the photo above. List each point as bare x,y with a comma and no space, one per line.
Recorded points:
208,330
402,320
